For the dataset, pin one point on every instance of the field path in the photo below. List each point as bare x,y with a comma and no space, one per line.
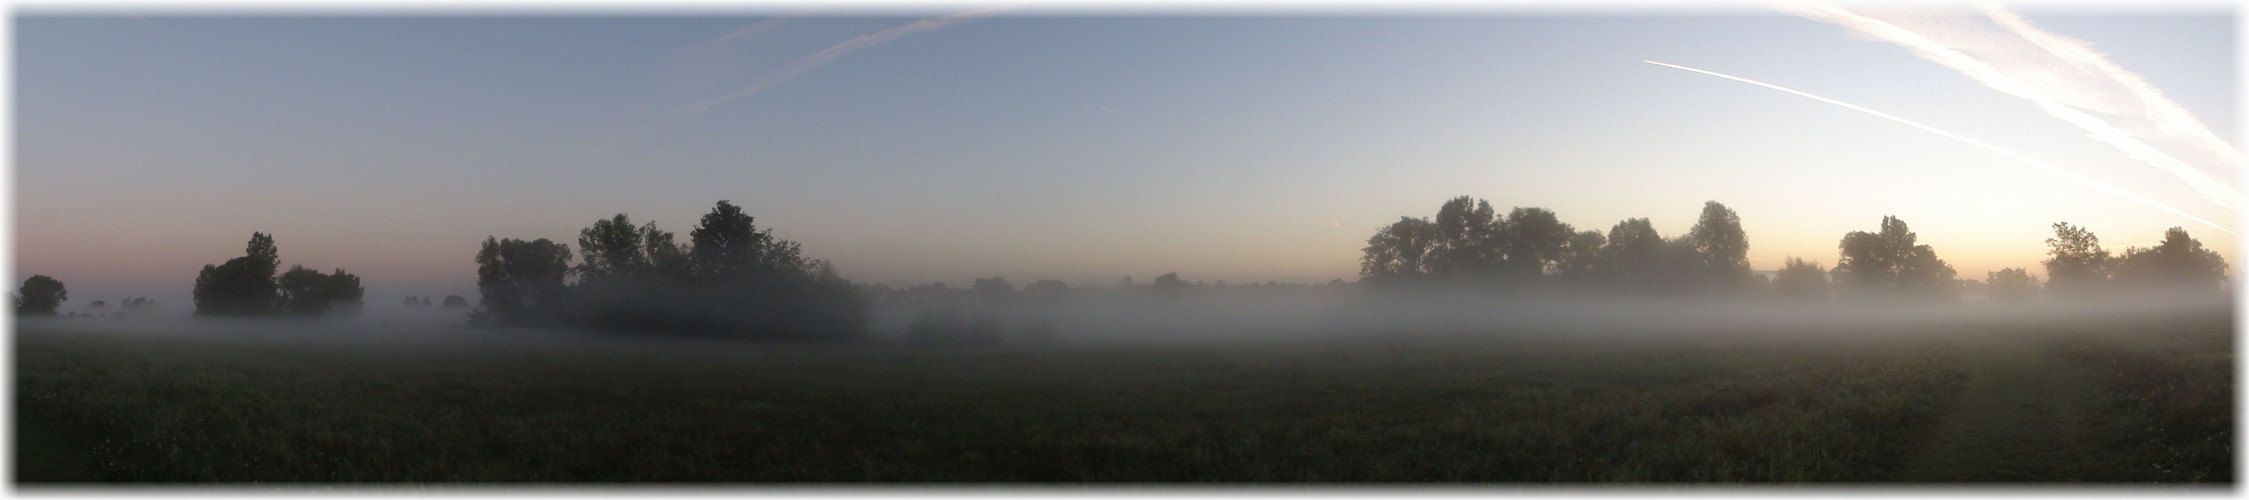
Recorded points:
2020,418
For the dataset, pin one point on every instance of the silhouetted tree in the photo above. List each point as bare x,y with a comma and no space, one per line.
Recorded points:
611,247
522,281
243,286
1046,291
1398,253
344,293
1170,285
994,290
2078,266
2179,262
1468,242
751,284
1583,254
1533,242
40,295
1721,248
1800,279
1890,264
455,301
732,280
307,292
726,245
2011,284
1634,256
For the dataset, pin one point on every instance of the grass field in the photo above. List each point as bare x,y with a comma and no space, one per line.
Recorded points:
2060,403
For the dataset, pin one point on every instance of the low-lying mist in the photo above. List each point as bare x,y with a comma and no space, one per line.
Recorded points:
1146,319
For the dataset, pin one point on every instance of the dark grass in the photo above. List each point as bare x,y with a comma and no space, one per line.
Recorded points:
1426,410
2169,416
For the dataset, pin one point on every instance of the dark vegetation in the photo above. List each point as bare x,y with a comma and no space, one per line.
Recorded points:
1856,403
1414,409
730,280
246,287
1470,246
40,295
2169,415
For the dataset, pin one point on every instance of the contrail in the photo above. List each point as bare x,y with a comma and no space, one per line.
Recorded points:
1997,79
2018,157
2170,118
824,56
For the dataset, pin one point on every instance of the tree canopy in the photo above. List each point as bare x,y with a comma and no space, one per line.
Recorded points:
40,295
730,280
1469,243
521,282
2179,262
1721,246
243,286
1890,263
2076,265
307,292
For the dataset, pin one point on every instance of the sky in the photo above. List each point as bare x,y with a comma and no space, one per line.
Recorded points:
943,145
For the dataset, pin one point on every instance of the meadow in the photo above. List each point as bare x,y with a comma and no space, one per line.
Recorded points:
2134,400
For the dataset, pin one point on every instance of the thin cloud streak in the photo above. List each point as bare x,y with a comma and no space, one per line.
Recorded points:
1990,76
2018,157
2170,119
806,64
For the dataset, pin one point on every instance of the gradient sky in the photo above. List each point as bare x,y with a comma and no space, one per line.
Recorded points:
1035,146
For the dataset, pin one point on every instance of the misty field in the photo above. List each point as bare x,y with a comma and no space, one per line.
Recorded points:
2131,400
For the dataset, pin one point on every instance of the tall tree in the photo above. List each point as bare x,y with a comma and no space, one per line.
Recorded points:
1582,254
1890,263
1721,248
665,258
40,295
1634,256
1469,239
243,286
307,292
522,281
611,248
2077,265
727,243
1534,242
1397,253
2179,262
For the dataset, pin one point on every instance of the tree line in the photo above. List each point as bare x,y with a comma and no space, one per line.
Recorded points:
729,279
1468,244
247,286
733,279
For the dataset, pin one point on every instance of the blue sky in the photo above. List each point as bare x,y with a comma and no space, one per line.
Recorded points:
1035,146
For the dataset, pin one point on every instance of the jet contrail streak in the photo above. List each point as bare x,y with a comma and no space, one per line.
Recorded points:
2018,157
1985,73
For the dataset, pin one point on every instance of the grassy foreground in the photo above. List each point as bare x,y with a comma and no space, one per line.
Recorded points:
1732,408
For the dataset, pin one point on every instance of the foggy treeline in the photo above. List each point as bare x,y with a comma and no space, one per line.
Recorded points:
1469,246
1468,266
